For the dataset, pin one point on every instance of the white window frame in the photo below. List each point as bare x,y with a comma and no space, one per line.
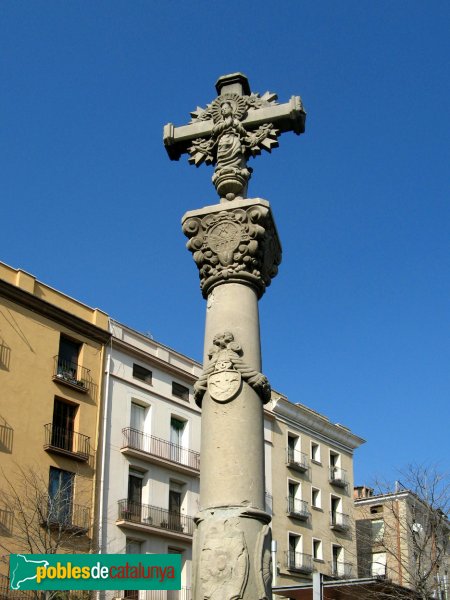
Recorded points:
319,505
317,459
320,548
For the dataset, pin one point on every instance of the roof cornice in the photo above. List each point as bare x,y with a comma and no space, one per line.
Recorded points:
50,311
302,417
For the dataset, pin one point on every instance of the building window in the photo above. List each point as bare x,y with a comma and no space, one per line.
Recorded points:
337,562
68,355
378,566
316,500
60,496
137,417
142,374
294,554
335,459
180,391
317,549
63,425
376,509
175,501
132,547
315,452
377,530
293,447
134,495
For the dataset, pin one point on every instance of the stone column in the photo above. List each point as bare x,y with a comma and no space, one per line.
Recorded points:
236,248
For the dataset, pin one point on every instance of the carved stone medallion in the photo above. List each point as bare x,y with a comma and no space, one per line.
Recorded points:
225,372
224,562
224,385
224,239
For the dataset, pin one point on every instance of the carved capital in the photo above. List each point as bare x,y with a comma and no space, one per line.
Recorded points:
236,242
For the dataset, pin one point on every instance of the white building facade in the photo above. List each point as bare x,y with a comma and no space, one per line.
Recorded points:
150,463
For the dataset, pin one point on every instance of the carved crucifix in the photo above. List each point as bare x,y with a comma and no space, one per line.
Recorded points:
236,125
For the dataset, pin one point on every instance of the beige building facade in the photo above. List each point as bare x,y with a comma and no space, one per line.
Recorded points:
312,489
51,367
403,539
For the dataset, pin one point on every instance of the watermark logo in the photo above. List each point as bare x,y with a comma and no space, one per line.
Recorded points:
95,571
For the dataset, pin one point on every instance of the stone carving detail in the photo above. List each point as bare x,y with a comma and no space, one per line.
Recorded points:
222,378
236,125
224,562
234,245
263,563
230,144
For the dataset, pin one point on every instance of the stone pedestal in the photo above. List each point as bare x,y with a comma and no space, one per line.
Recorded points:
236,248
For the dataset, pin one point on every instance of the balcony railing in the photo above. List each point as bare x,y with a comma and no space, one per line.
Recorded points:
338,476
297,460
7,594
70,517
154,516
296,561
298,508
183,594
339,521
341,570
138,440
65,441
71,374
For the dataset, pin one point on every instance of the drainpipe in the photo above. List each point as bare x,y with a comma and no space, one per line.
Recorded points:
274,562
396,508
101,533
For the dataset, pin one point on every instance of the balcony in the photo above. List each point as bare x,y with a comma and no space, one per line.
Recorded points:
71,374
183,594
64,516
301,563
66,442
296,460
341,570
338,477
297,508
339,521
144,517
141,445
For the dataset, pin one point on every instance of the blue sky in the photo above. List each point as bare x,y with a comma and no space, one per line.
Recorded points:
356,325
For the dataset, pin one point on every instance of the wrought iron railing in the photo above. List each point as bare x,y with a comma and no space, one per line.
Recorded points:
297,508
133,438
296,459
71,373
155,516
7,594
64,515
339,521
297,561
341,570
183,594
338,476
60,438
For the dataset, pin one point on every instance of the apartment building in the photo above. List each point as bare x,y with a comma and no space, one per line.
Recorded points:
312,489
51,363
403,539
151,451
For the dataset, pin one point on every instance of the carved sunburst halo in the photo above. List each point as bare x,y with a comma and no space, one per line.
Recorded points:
240,105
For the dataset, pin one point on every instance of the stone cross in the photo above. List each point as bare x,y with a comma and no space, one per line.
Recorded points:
236,125
236,248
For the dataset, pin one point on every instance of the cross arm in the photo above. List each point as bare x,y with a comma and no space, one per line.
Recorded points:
177,140
289,116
